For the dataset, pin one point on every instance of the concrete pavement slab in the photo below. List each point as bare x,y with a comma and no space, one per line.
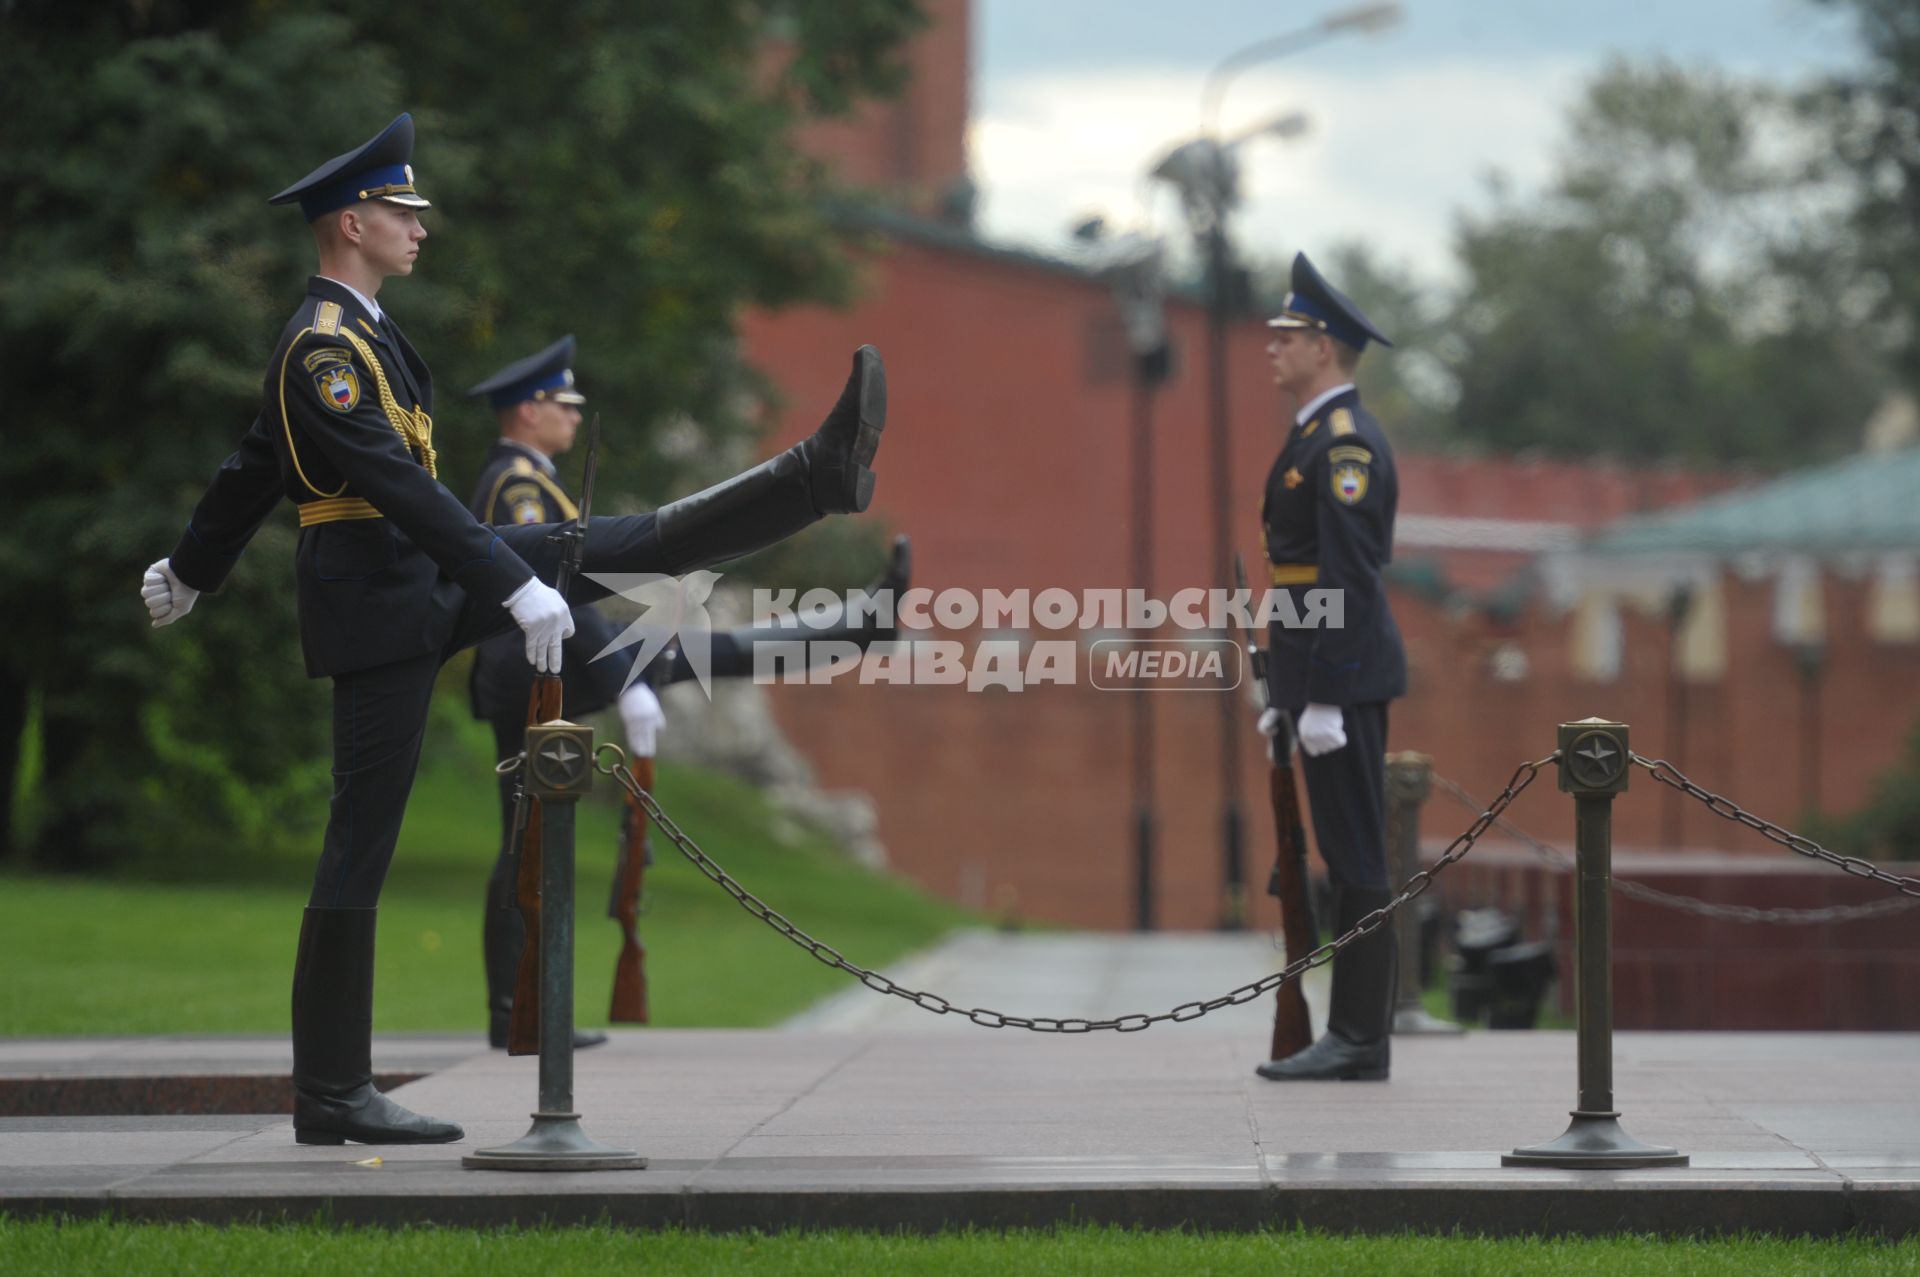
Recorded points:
915,1125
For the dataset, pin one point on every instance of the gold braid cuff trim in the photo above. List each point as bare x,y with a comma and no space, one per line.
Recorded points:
412,424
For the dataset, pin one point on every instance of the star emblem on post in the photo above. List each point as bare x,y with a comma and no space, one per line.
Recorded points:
558,760
1594,753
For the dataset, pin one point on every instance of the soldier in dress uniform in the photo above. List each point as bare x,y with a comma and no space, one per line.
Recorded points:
1328,523
537,404
393,574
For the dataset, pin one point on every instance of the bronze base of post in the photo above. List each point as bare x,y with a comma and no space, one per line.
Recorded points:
554,1143
1594,1141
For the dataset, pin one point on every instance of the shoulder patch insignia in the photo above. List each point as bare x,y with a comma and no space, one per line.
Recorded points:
1349,483
326,357
1293,478
339,387
1341,422
524,503
1349,452
326,320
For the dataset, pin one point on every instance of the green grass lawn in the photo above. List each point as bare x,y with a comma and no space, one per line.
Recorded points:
208,948
155,1250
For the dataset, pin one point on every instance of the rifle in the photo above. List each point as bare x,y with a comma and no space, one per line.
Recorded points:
543,706
1292,1030
623,905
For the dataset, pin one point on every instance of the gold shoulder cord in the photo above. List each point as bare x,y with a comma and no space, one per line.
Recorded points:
286,423
412,424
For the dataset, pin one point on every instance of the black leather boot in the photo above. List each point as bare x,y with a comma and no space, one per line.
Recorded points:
1356,1046
334,1099
828,473
503,936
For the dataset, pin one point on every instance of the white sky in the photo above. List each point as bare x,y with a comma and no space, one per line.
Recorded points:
1075,99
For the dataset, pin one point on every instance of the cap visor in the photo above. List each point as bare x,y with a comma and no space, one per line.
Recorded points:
567,396
405,201
1289,321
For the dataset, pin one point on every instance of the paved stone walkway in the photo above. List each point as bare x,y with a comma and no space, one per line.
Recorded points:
886,1127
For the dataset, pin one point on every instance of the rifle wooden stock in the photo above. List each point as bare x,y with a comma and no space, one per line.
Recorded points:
1292,1030
630,968
523,1029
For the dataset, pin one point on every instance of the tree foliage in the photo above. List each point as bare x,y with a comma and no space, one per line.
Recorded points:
1699,280
619,171
1873,115
1685,287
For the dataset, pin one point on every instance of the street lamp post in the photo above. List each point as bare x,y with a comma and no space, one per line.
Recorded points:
1134,267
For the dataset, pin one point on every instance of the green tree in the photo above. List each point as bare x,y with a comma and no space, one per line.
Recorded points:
1679,290
619,171
1874,117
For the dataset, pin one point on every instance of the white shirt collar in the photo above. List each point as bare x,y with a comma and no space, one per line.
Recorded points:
373,307
1318,402
538,457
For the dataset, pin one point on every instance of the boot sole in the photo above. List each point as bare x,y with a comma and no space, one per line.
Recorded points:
331,1138
872,374
873,405
1353,1075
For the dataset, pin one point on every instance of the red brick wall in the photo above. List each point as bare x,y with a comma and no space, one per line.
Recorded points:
1006,459
914,145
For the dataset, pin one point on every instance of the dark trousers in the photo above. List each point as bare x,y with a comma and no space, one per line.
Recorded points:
380,713
1347,792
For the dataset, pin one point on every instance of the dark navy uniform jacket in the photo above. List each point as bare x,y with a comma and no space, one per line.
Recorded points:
1328,521
387,557
515,488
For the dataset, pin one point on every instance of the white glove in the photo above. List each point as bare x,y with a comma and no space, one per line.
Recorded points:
167,597
1268,724
640,711
1321,729
542,613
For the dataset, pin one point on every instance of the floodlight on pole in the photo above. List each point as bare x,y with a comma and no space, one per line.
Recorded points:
1366,19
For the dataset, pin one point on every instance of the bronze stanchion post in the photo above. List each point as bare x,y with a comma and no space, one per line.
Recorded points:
1593,768
559,767
1409,781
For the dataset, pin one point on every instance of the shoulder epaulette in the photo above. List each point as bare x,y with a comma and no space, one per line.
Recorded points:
1341,422
522,466
326,320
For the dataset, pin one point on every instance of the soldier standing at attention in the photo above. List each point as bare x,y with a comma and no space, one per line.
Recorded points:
393,575
1328,522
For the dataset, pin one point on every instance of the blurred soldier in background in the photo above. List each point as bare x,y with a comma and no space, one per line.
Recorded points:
537,405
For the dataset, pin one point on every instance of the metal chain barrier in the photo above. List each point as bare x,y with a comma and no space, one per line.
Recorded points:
1692,904
610,760
1667,774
